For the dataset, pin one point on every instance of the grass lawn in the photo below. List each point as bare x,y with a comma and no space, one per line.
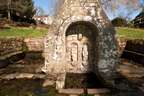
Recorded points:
130,33
22,32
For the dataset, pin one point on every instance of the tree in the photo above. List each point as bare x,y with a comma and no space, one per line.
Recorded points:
23,9
39,11
122,8
4,8
119,22
8,11
139,20
117,8
17,9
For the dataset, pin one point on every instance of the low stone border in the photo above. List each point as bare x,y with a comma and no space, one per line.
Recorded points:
22,76
81,91
10,54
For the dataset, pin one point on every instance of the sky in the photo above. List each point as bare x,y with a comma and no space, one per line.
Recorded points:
48,6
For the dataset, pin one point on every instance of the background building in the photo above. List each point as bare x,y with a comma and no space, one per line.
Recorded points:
44,19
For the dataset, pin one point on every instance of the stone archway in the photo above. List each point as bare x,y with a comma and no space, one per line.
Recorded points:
81,51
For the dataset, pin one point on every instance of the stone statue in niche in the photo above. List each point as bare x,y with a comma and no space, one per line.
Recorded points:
74,54
85,55
80,36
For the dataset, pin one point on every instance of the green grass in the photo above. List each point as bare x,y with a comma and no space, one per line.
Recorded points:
22,32
130,33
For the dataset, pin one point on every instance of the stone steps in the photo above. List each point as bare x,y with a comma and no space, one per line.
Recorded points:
77,92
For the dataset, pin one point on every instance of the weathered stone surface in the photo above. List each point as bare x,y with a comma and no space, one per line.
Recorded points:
10,46
60,81
71,91
48,83
81,91
81,39
121,45
14,46
34,44
22,76
73,95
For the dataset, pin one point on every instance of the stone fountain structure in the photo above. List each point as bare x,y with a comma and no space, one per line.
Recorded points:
81,40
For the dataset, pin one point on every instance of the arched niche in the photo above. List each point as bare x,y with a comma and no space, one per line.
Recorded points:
81,47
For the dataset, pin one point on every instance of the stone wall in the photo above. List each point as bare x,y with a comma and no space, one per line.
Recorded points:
134,50
10,46
13,46
34,44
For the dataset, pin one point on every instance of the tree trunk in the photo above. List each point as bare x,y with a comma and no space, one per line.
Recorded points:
8,12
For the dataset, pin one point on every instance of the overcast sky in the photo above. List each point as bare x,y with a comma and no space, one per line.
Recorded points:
48,5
